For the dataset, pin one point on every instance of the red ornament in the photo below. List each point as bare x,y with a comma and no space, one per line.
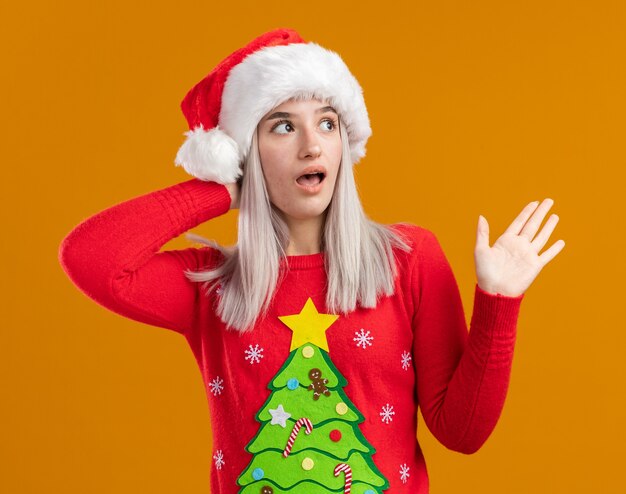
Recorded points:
335,435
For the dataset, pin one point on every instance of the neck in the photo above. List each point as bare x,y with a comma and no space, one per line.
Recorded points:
305,236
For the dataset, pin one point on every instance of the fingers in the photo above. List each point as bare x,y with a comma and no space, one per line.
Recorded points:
516,226
549,254
482,232
532,225
543,236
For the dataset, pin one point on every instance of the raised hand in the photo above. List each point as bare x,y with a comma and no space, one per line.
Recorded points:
235,194
513,262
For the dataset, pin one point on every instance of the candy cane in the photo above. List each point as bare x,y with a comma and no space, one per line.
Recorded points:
344,467
294,433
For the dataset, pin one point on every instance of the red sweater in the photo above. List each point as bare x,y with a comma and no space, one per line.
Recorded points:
355,381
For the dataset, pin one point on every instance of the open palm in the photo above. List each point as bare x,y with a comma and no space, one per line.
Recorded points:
513,262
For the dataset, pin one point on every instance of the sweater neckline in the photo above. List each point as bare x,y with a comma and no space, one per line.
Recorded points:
306,261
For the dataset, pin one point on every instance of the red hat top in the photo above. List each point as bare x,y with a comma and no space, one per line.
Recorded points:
224,108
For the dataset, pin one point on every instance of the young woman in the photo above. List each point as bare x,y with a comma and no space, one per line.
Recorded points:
320,332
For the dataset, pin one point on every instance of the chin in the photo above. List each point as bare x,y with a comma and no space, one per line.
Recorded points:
305,214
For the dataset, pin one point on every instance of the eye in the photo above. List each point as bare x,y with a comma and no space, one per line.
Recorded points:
280,123
333,123
330,124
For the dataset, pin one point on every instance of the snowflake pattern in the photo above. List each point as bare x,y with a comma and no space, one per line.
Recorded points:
363,338
404,473
219,459
216,386
387,413
406,360
254,355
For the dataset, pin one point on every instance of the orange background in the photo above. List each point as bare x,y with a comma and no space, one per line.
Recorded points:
476,108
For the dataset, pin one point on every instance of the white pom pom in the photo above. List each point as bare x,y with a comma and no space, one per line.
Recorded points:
212,156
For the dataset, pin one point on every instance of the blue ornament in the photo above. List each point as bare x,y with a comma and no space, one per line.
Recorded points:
293,383
258,474
369,491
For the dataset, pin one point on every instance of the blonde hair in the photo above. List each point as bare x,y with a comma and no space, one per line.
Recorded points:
359,259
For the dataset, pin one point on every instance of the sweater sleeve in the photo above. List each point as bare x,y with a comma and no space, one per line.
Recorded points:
113,256
462,379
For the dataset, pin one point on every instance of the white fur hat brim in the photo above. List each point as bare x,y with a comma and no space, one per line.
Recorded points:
272,75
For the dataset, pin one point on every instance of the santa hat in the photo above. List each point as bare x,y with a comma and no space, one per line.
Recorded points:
224,109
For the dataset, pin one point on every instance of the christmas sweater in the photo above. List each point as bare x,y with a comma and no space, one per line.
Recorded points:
308,402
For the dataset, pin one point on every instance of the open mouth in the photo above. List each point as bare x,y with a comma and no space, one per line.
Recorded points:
311,179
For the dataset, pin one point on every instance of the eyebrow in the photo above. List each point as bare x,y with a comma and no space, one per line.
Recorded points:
282,114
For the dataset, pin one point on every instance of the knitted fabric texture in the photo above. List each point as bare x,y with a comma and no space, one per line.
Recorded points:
380,364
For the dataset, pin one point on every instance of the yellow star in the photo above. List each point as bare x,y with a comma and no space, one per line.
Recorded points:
309,326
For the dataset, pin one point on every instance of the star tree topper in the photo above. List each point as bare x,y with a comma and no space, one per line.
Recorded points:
309,326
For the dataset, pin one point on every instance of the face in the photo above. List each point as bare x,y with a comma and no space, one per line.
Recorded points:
297,139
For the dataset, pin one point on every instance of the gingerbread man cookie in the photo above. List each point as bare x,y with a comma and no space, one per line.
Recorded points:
318,384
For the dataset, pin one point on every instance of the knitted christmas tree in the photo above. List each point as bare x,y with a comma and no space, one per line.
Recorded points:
329,454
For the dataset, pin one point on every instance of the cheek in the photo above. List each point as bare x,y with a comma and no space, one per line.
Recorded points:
269,163
337,149
275,172
336,154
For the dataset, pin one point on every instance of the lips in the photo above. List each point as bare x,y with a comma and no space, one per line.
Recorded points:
310,179
312,175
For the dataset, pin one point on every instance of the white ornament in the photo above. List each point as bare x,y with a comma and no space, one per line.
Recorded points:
363,338
406,360
216,386
219,459
404,473
387,413
279,416
254,354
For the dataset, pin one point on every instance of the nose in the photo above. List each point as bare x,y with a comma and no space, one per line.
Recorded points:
310,146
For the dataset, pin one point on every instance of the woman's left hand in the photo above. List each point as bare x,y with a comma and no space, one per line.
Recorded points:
513,262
